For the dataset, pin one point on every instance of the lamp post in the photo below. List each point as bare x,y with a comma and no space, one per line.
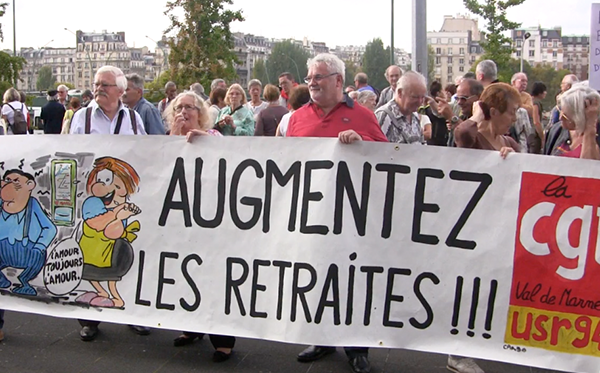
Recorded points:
87,53
15,36
525,37
419,42
392,59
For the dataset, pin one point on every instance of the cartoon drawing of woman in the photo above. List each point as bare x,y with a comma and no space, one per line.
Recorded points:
107,236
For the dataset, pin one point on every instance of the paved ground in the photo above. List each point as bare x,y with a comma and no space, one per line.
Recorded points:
38,344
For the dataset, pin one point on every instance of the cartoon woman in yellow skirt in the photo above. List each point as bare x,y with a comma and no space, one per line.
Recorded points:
107,236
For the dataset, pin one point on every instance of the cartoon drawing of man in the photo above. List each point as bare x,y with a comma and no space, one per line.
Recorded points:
106,239
25,230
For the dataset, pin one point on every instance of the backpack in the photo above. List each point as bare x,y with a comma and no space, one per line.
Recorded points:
19,125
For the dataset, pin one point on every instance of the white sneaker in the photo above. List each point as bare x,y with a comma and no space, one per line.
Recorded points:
463,365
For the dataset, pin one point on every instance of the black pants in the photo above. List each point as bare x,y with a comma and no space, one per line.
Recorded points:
218,341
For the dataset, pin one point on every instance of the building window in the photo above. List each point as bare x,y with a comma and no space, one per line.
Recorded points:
519,43
531,53
438,50
461,51
531,43
461,69
555,43
518,54
554,54
544,43
461,61
438,60
449,69
449,59
449,51
450,79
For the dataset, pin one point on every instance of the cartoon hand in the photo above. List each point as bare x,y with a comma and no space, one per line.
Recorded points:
128,211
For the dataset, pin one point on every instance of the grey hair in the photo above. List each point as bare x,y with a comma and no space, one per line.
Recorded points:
571,78
63,87
392,66
52,98
120,79
138,81
11,95
363,96
333,63
215,83
516,76
170,85
203,117
488,68
254,82
353,95
362,78
197,88
410,77
574,100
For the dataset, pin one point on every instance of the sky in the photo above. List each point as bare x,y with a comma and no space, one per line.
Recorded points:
336,22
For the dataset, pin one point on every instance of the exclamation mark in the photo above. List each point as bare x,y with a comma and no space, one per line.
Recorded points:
474,303
490,311
457,299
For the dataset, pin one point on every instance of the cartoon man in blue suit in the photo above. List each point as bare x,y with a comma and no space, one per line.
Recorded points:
25,230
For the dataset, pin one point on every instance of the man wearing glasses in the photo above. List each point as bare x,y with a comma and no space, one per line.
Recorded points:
467,94
330,113
107,114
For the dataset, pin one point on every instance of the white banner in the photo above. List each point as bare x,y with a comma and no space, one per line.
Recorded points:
309,241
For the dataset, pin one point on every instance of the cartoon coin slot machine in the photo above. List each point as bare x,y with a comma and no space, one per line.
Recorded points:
64,191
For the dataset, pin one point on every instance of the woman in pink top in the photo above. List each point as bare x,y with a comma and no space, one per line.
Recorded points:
188,116
579,115
493,115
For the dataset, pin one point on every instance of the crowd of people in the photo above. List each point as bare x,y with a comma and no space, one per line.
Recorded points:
479,112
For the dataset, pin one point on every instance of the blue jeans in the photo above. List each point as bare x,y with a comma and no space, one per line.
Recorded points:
1,319
21,256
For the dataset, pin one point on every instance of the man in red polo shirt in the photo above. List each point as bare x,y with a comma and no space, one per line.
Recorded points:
332,114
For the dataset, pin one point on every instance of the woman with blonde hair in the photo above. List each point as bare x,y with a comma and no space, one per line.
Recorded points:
12,103
188,112
235,119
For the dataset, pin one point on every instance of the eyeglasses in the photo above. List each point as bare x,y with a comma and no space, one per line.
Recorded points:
317,78
103,85
179,108
562,115
458,98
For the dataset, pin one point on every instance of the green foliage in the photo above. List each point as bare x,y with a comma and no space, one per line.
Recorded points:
45,79
375,61
155,90
260,72
2,11
549,76
202,49
287,56
351,71
430,64
496,46
69,85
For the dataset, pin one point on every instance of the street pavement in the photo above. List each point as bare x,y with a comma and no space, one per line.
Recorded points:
41,344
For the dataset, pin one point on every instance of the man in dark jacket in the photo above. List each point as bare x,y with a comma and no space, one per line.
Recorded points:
52,114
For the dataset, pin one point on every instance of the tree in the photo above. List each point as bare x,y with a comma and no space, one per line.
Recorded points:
496,46
155,89
10,66
287,56
45,79
351,71
430,64
375,61
260,72
202,49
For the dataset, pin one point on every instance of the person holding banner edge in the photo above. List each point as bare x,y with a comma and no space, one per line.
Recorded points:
188,116
333,114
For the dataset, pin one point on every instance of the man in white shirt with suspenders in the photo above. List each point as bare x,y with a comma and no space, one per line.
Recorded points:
107,115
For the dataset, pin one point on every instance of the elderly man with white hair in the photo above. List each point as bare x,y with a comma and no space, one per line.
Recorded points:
486,72
575,135
520,81
399,119
367,99
107,114
567,82
392,75
134,98
63,95
333,114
